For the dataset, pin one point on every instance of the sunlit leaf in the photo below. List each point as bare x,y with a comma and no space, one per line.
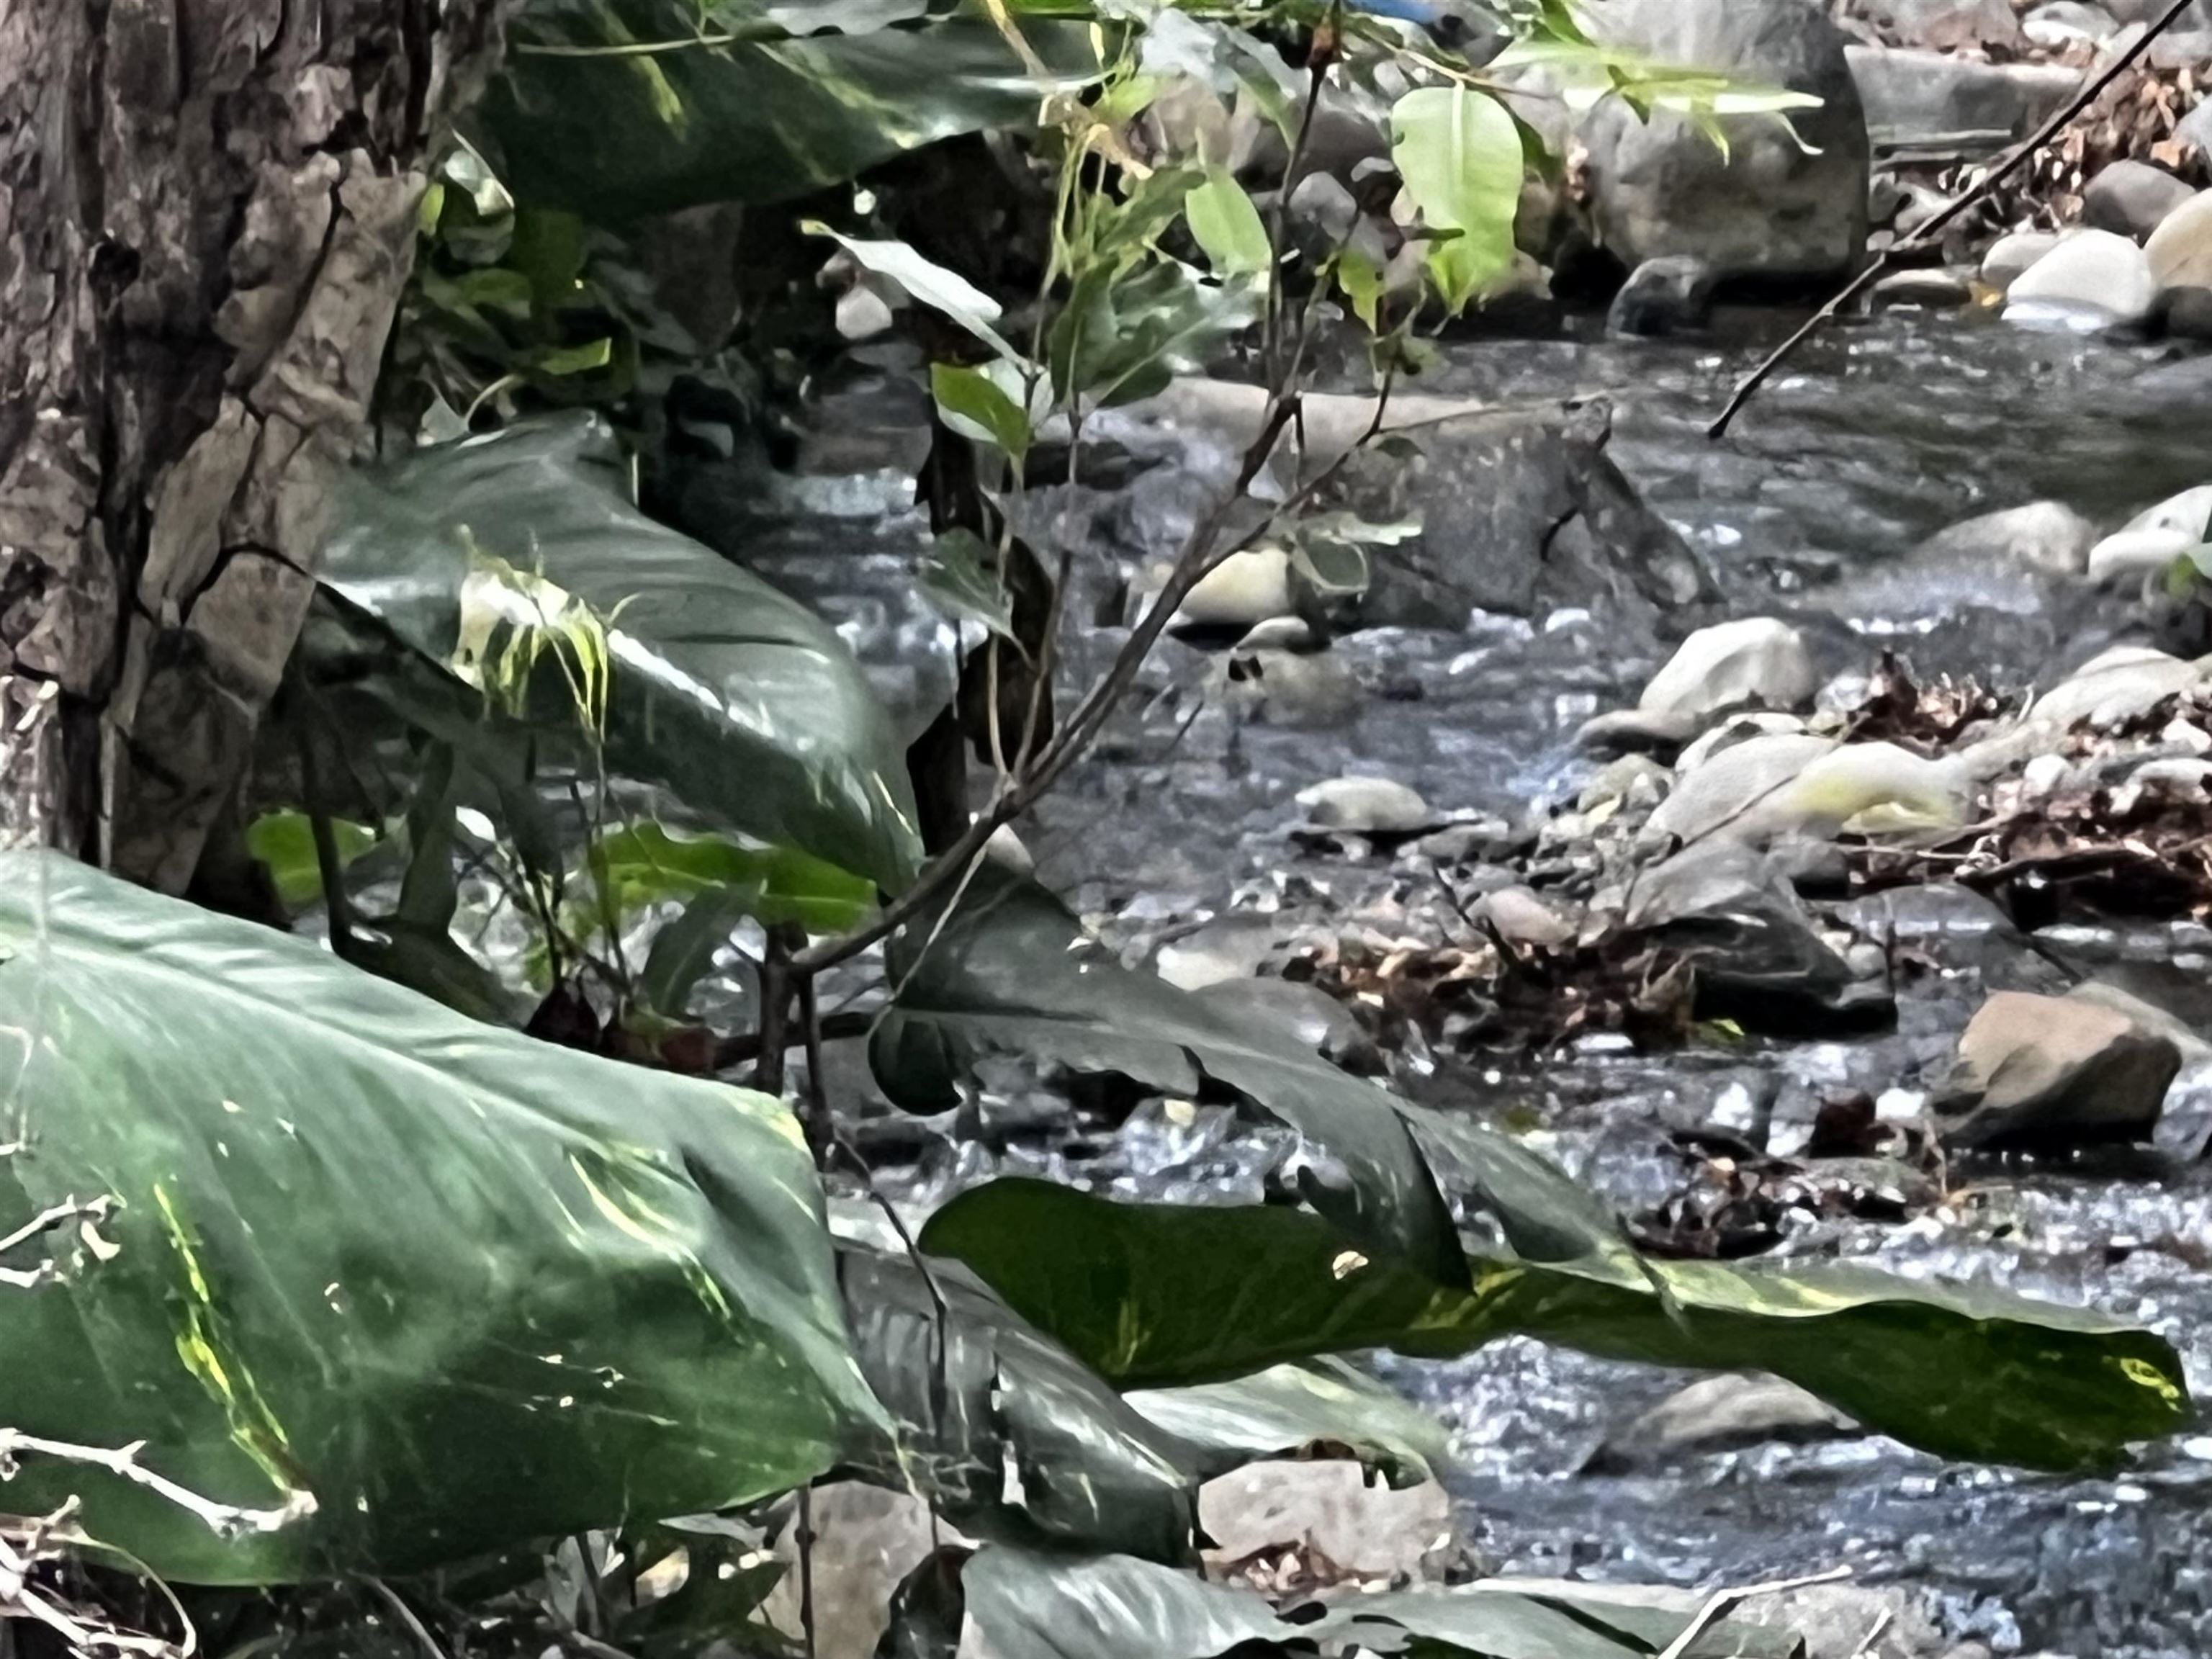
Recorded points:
974,404
1227,227
284,844
1459,153
960,576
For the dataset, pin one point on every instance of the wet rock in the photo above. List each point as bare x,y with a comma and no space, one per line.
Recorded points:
1247,588
1231,948
1739,728
2192,1047
2009,255
1305,1014
2093,279
2181,249
1946,24
2036,1071
2186,313
1300,691
1633,783
1669,295
2119,685
1721,789
1326,1511
2047,535
1929,290
1366,806
1932,96
2154,537
2063,22
1756,661
1720,1413
1851,1621
1771,207
1634,732
1282,634
2132,198
1522,917
1466,843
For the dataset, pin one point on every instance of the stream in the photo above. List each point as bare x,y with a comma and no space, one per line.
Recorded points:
1874,437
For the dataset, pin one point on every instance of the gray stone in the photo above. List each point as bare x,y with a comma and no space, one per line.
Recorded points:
2045,536
1673,294
2092,280
1738,728
2119,685
1228,948
2196,128
2063,22
1850,1621
1634,732
1301,690
2010,256
2192,1047
1632,781
1927,97
1366,806
2132,198
2154,537
1755,661
2055,1071
1522,917
2186,313
1771,207
1326,1510
1929,290
2181,249
1783,785
1720,1413
1946,25
1245,589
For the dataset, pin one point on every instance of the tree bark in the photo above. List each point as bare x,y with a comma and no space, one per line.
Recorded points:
207,215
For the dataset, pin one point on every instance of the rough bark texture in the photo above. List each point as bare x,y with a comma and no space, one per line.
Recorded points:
206,217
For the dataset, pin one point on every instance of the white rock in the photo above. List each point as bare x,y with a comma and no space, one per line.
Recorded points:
1868,787
862,313
2010,256
2093,279
1522,918
1718,1414
1281,633
2119,685
867,1538
1366,806
1228,948
2155,539
2041,536
1757,660
1324,1509
1245,588
1725,787
2179,252
1742,728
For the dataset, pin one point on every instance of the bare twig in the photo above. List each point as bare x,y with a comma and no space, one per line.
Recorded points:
47,1219
229,1520
406,1616
1721,1601
2012,161
746,1045
777,976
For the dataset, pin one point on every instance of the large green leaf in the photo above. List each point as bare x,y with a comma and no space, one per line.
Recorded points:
1045,1606
1012,973
413,1286
1288,1410
1156,1294
624,133
733,697
1007,1433
1459,154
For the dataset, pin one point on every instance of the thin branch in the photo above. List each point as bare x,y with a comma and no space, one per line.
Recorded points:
406,1616
737,1050
2018,157
47,1219
1721,1601
805,1540
226,1519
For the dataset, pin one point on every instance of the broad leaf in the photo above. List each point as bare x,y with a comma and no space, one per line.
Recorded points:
1459,153
646,864
1012,973
615,134
973,402
946,292
960,576
1286,1411
406,1287
1156,1294
283,843
711,683
1004,1431
1228,227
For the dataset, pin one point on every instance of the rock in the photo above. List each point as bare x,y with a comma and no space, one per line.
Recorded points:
1231,947
1301,690
1633,732
1306,1014
2186,313
2093,279
2055,1071
2063,22
1738,728
1325,1509
1366,806
1928,97
1756,661
2133,198
1633,781
1946,24
2047,535
1522,917
2149,1015
1770,208
2181,249
1931,290
2011,255
2196,128
1723,787
1322,201
1673,294
1782,785
1850,1622
867,1538
1281,633
1247,588
2119,685
2156,536
1720,1413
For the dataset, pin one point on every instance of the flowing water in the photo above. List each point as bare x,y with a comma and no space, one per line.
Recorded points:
1876,436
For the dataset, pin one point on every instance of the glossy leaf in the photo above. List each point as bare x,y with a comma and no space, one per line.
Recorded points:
1287,1411
615,136
406,1287
1227,227
711,683
959,575
946,292
1156,1294
1460,155
972,401
283,843
648,864
1012,973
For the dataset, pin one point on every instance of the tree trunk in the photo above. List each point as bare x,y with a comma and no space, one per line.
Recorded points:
207,214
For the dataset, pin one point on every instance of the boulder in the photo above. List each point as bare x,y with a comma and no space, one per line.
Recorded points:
1946,25
2154,537
2133,198
1771,207
2045,536
1927,97
1719,1413
1632,731
1245,589
2121,684
1851,1621
1634,782
2061,24
2181,249
2010,256
2092,280
1522,917
1929,290
1739,728
1300,689
2037,1070
1771,787
1326,1511
2186,313
1673,294
1366,806
1754,662
1230,947
1721,789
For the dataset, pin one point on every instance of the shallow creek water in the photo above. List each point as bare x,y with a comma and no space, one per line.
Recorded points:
1876,436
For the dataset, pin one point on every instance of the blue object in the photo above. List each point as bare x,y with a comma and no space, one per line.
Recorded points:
1423,12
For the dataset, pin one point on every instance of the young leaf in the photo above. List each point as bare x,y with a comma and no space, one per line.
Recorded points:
960,576
1227,226
947,292
1361,280
974,404
284,844
1459,153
